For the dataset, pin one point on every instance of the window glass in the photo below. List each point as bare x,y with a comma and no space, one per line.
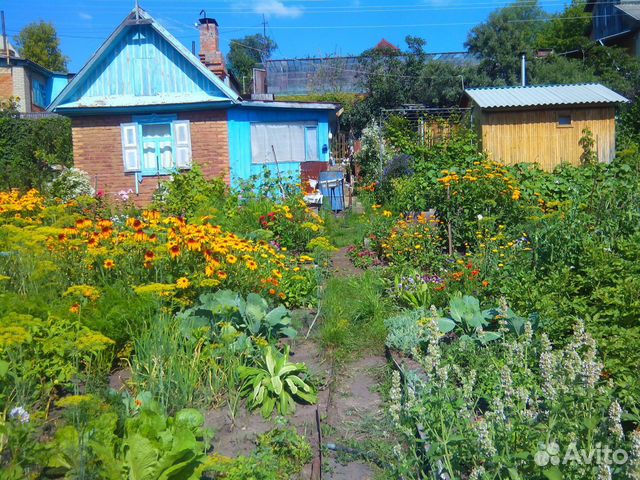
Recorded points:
154,130
149,156
290,141
39,94
564,120
312,143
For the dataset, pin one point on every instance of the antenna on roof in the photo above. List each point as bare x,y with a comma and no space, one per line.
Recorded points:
137,7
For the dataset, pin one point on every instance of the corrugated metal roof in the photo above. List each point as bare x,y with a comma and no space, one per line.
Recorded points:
631,9
539,95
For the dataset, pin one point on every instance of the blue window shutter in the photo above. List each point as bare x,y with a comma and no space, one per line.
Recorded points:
130,147
182,143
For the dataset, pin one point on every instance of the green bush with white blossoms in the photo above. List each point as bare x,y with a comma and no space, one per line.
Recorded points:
511,409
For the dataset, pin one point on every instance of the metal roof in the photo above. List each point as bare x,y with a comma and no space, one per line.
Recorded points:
540,95
631,9
291,105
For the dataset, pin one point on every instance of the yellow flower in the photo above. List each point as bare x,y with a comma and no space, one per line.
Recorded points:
182,283
516,195
109,264
174,250
73,401
387,213
93,342
231,259
251,265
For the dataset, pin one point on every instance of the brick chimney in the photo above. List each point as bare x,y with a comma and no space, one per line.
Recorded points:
210,54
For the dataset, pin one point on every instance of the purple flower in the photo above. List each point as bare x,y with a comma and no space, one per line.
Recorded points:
20,414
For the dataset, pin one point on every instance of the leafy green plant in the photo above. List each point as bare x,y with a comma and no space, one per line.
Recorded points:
152,447
228,311
276,382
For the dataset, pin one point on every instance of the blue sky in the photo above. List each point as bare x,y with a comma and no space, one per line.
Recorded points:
300,27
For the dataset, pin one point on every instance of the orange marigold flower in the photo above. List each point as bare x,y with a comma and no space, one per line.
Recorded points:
272,291
109,264
485,283
75,308
92,242
282,296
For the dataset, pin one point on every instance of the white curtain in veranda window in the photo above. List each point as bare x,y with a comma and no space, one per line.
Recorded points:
287,139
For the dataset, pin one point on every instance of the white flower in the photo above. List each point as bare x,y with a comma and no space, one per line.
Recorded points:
480,217
484,438
615,419
20,414
634,456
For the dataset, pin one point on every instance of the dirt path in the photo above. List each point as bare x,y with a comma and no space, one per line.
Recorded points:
342,265
348,405
354,405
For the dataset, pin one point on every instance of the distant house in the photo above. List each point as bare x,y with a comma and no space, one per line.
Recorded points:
616,22
304,76
144,107
34,85
543,124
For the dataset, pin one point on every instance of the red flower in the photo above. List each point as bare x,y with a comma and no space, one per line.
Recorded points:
475,273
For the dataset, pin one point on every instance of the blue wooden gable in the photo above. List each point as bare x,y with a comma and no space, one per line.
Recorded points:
141,64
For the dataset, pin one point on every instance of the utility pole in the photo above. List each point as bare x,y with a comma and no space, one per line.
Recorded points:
4,39
264,39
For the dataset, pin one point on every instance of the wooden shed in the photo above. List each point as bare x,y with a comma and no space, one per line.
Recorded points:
544,124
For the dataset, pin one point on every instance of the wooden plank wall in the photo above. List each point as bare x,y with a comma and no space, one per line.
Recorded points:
529,136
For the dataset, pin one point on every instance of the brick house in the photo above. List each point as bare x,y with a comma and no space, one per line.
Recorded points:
33,85
144,107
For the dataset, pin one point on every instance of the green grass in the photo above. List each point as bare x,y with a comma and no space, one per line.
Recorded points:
353,314
345,229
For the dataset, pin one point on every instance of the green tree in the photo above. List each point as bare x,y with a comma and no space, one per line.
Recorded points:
568,30
560,70
440,84
39,43
507,33
616,69
246,53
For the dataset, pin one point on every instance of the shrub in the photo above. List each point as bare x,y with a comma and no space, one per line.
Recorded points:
70,184
30,148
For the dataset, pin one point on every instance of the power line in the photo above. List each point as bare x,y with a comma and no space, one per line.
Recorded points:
408,25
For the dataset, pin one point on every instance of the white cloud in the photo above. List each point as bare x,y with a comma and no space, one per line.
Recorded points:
276,8
85,16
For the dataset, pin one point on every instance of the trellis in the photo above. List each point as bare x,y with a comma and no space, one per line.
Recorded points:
433,125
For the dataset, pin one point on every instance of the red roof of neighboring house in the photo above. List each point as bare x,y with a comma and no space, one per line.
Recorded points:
386,45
